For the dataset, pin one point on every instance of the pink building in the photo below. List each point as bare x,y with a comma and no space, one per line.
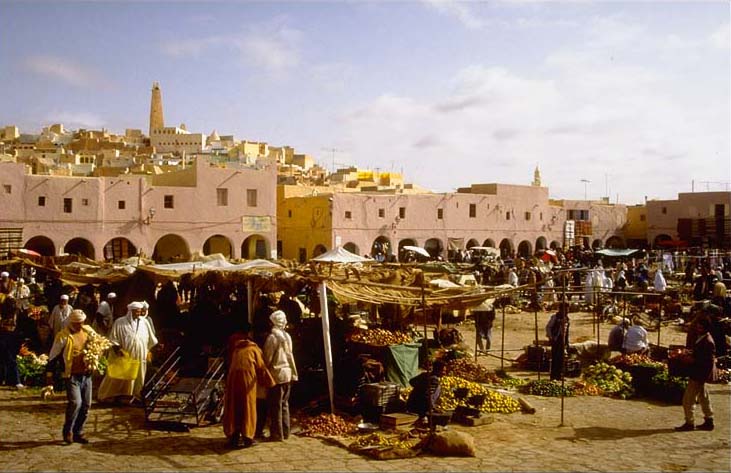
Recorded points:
199,210
693,219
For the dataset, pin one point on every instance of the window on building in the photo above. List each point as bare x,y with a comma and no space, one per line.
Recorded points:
381,213
121,204
642,218
473,210
251,196
41,201
168,202
664,210
289,213
84,202
7,188
222,197
507,215
68,205
402,212
527,215
540,216
303,255
348,214
440,214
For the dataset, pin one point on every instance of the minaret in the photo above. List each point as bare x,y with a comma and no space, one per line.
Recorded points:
536,178
156,120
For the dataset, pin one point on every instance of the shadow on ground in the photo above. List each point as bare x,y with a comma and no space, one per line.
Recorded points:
608,433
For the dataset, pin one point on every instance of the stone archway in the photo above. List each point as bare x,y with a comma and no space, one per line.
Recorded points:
352,247
525,249
401,244
319,249
506,248
489,242
435,247
41,245
541,243
596,244
171,248
218,244
471,242
79,246
255,247
381,249
118,249
614,242
657,242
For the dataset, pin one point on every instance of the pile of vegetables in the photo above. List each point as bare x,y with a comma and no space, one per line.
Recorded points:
31,367
611,380
377,439
546,387
494,401
327,424
94,350
381,336
467,369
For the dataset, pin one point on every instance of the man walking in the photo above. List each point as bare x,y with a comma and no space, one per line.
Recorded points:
702,370
280,361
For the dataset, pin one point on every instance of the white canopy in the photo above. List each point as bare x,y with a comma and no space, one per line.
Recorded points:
417,249
340,255
443,283
487,249
217,262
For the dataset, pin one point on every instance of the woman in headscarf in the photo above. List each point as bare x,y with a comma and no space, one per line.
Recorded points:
280,361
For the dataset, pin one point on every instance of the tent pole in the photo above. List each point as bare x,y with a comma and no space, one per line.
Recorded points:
250,301
502,342
564,320
326,343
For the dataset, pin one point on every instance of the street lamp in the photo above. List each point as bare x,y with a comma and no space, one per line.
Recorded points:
585,181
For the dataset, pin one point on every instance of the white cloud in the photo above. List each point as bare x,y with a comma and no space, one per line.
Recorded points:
70,72
458,9
721,38
74,120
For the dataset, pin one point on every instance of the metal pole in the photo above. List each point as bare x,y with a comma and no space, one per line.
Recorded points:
659,320
502,343
563,332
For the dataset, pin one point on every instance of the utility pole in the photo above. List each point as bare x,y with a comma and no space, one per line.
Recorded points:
585,181
333,151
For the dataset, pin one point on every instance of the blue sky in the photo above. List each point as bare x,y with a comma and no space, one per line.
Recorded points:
632,96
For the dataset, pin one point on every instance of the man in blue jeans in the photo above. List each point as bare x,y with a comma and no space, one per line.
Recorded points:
280,362
69,343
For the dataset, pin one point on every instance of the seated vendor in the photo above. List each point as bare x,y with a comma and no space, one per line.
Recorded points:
635,340
617,334
426,390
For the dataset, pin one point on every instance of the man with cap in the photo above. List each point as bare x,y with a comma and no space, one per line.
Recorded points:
69,343
6,284
60,314
279,359
105,315
132,335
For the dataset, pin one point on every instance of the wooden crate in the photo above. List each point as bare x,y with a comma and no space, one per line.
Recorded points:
397,419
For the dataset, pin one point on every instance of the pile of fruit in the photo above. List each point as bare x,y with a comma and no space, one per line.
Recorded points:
327,424
469,370
610,379
546,387
634,360
377,439
494,401
379,336
581,388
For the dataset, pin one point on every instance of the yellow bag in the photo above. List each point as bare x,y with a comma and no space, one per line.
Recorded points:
123,367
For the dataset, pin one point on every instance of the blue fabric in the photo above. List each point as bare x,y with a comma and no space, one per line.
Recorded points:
78,394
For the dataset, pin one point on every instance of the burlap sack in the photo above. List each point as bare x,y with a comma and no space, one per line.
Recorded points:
452,443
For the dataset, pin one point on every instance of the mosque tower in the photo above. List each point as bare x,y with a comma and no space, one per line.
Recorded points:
536,178
156,120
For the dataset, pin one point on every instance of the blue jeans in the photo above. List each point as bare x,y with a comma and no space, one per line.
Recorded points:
278,407
78,394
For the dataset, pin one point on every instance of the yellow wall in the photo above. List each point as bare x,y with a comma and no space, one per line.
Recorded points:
636,226
303,222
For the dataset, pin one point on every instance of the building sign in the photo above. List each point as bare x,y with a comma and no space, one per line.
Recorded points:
256,224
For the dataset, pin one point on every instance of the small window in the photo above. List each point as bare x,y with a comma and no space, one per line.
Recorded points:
440,214
168,202
68,205
642,218
540,216
527,215
664,210
402,212
41,201
289,213
121,204
85,202
251,196
381,213
348,214
7,188
303,255
222,197
473,210
507,215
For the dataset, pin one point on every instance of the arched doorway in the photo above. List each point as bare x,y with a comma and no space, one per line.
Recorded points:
471,242
506,248
319,249
171,248
596,244
614,242
555,245
381,249
79,246
541,243
659,239
525,249
352,247
218,244
41,245
401,244
118,249
255,247
489,242
434,246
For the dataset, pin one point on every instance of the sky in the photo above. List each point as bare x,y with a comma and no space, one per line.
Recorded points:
629,100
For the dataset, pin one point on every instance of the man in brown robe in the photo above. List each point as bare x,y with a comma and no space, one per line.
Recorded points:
246,369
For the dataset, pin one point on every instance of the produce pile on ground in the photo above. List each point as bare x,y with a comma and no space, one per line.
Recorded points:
547,387
636,359
327,424
377,439
467,369
494,401
380,336
31,367
610,379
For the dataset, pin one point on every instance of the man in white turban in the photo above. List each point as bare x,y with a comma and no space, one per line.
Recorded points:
131,336
280,361
105,314
60,314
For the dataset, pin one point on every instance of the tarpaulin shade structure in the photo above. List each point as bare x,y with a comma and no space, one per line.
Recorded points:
418,250
616,252
340,255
